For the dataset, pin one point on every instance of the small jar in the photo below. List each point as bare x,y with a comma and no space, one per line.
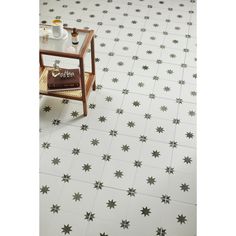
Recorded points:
75,37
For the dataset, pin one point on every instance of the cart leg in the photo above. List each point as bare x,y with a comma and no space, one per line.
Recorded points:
85,108
94,85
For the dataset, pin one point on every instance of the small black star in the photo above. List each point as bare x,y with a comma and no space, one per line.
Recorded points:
184,187
44,189
176,121
142,138
165,199
145,67
56,122
179,100
103,234
118,174
189,135
125,91
55,161
65,101
66,136
98,185
84,127
111,204
145,211
136,103
181,219
77,196
47,108
89,216
124,224
94,142
119,111
140,84
187,160
131,192
130,124
92,106
66,178
163,108
74,114
160,231
86,167
173,144
102,119
137,163
75,151
147,116
115,80
66,229
55,208
192,113
113,133
125,148
160,129
108,99
46,145
169,170
106,157
155,153
151,180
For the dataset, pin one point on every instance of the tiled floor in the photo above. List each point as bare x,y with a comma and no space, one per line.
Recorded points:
129,168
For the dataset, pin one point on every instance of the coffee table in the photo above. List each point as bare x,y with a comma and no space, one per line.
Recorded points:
63,48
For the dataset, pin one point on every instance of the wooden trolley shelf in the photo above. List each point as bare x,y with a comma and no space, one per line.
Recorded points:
69,94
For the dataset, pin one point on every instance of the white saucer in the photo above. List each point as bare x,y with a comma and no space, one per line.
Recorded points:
50,35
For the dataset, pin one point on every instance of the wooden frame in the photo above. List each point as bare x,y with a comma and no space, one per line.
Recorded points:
90,82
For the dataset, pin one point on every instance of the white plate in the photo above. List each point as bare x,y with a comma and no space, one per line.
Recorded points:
50,35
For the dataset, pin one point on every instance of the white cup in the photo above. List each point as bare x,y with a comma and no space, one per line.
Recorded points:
57,28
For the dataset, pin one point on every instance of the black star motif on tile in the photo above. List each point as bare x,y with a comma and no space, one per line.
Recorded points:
111,204
159,129
47,108
125,91
108,99
187,160
131,192
155,153
65,136
136,103
103,234
44,189
145,211
163,108
66,229
118,174
169,170
55,208
137,163
102,119
74,114
115,80
189,135
142,138
92,106
75,151
125,148
160,231
98,185
130,124
65,101
55,161
176,121
165,199
151,180
113,133
66,178
106,157
181,219
147,116
184,187
125,224
119,111
89,216
86,167
56,122
173,144
192,113
140,84
145,67
46,145
94,142
77,196
84,127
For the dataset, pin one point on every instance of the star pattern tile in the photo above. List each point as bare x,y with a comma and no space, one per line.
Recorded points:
142,115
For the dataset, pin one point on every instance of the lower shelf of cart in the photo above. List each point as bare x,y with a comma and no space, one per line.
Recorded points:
69,94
